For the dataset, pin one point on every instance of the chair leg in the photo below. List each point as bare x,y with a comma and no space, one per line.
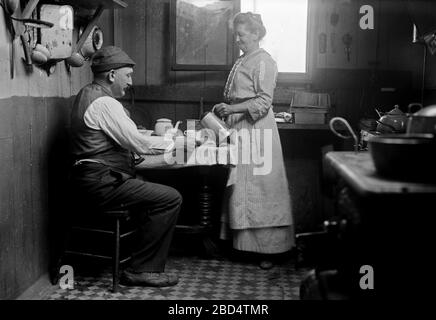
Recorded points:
116,257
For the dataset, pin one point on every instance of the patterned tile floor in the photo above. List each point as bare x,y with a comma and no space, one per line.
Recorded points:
199,279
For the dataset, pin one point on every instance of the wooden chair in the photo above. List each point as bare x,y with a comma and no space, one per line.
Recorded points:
108,227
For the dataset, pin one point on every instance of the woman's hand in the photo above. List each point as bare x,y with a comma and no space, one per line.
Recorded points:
222,110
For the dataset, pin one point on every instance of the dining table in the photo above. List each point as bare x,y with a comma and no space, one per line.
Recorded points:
206,163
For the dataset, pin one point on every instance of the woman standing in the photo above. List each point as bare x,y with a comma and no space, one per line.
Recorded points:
257,210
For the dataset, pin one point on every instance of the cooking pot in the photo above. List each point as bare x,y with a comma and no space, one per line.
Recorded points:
409,157
394,121
93,43
423,121
38,57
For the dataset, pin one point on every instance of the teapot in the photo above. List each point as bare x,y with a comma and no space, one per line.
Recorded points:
394,121
164,125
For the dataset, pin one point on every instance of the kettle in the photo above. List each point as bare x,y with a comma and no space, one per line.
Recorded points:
394,121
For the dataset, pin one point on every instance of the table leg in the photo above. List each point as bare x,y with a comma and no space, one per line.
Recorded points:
205,202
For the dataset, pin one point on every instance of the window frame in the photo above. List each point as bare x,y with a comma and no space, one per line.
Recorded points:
282,77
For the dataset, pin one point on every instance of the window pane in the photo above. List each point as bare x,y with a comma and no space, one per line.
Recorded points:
202,32
286,31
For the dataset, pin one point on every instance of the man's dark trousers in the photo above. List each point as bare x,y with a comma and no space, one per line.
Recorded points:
154,206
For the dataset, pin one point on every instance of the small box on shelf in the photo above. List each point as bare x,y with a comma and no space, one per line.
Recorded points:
309,107
303,115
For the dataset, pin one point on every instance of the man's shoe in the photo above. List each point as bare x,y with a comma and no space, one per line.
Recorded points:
148,279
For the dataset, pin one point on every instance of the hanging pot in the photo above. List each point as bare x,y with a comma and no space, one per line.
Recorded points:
76,60
93,43
40,54
43,50
38,57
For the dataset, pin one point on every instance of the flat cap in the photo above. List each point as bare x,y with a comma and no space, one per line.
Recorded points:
108,58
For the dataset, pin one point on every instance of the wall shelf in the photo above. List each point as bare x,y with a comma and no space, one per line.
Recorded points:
293,126
99,6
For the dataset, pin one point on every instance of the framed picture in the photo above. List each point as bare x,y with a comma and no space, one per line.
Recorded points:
201,35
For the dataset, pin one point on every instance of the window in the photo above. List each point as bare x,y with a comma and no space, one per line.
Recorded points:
287,30
202,39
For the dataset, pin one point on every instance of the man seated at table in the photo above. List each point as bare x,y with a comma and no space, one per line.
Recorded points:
103,175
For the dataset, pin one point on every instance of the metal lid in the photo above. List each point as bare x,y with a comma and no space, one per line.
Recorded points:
396,111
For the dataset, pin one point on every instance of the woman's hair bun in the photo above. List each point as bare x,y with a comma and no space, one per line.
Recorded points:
253,22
